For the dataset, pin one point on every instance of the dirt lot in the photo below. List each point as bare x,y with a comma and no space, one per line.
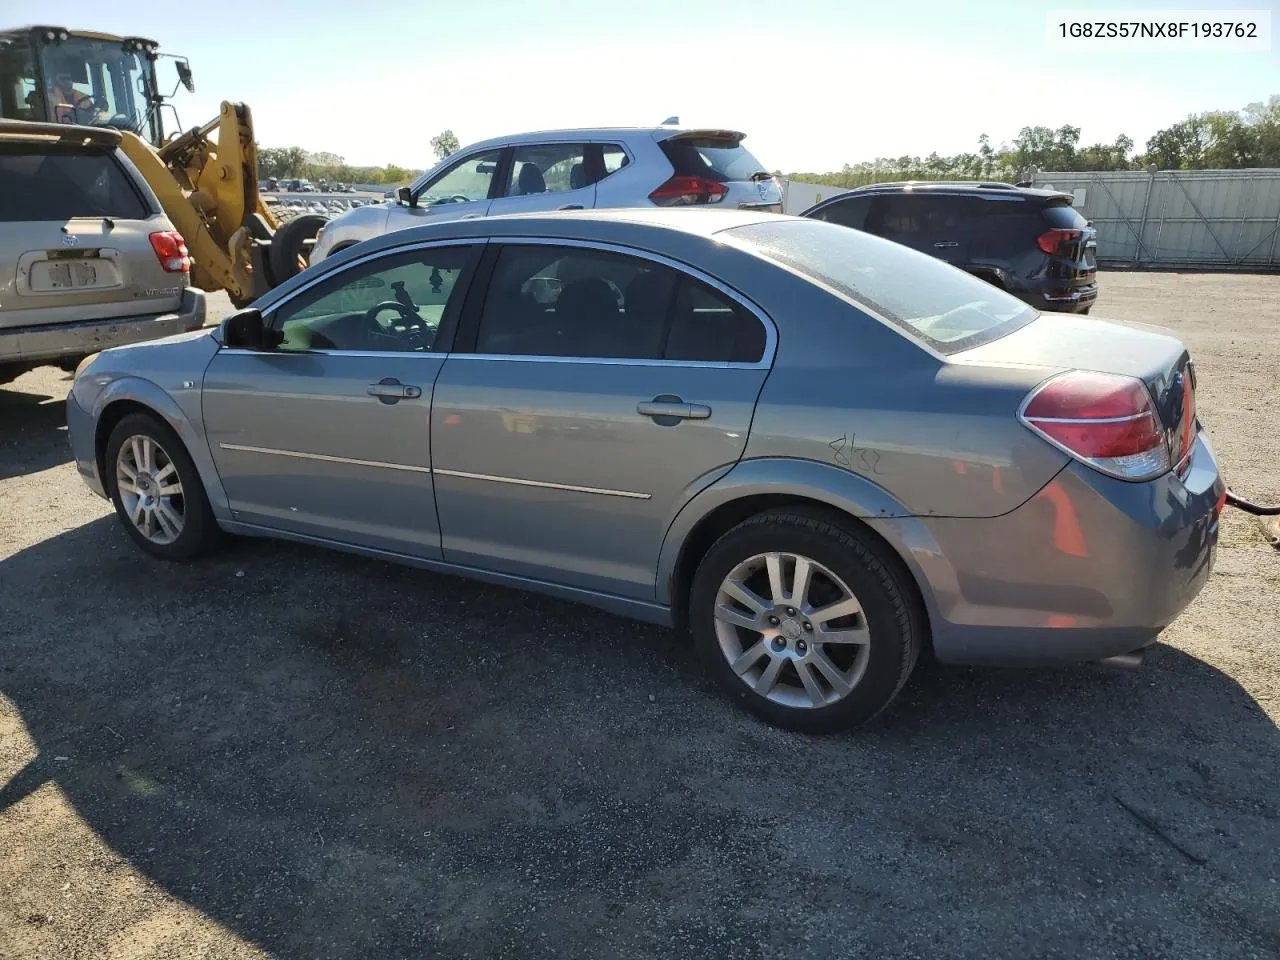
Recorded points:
286,752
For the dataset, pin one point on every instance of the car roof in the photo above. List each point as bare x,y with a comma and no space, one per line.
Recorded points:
601,225
981,187
599,133
62,132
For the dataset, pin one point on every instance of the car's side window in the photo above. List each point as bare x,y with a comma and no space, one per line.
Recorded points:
614,157
573,302
547,168
468,180
847,213
395,303
707,326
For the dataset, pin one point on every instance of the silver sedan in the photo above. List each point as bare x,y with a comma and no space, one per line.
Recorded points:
821,452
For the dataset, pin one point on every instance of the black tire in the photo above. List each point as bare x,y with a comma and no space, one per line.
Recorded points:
893,617
287,244
200,532
1085,311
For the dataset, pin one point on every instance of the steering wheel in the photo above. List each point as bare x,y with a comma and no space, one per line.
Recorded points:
412,329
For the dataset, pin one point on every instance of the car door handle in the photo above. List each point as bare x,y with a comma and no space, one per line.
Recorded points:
947,243
571,206
673,407
389,390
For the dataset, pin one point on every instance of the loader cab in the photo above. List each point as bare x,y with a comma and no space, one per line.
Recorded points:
55,75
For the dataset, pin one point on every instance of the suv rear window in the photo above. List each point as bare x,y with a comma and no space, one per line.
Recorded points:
717,158
53,181
1064,216
946,308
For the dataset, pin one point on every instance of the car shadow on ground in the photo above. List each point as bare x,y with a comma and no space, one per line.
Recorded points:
335,756
33,434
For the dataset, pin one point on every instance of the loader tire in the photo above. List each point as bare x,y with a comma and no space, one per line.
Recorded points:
287,253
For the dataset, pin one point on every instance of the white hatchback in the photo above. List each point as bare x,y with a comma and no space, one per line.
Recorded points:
570,170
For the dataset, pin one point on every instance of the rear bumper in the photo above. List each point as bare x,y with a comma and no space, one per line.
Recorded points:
1090,567
40,343
1062,299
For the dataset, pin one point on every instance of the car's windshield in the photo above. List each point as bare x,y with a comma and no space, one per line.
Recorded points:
948,309
98,83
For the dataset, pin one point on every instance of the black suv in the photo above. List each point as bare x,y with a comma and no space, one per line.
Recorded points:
1029,242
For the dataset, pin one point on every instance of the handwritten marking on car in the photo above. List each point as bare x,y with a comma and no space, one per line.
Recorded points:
847,453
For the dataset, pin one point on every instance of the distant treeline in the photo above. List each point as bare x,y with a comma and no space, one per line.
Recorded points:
1218,140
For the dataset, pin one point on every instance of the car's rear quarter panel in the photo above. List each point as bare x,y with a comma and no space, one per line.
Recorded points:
851,391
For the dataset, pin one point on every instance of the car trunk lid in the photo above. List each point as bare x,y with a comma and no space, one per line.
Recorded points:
1059,343
719,156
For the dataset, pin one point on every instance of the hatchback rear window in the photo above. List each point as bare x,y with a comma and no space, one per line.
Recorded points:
946,308
717,158
1064,216
45,181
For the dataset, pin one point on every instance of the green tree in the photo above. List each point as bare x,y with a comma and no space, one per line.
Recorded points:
445,143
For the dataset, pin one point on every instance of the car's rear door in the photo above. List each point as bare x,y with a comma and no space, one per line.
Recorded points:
75,231
546,176
327,434
591,391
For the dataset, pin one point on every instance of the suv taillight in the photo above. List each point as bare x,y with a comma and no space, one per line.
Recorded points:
1102,419
680,191
1055,242
171,251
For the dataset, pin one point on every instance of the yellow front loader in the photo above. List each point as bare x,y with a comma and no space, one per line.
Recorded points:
206,179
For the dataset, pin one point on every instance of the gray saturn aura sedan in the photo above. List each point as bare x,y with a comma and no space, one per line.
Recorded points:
820,451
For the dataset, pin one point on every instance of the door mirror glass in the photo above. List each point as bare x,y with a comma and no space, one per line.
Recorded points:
184,75
245,329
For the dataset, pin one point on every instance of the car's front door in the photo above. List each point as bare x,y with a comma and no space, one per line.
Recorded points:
460,192
328,433
547,176
594,393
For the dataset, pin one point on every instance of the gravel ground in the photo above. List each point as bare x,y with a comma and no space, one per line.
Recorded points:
291,753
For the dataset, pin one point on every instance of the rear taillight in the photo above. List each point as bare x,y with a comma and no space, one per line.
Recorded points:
171,251
1104,420
681,191
1056,242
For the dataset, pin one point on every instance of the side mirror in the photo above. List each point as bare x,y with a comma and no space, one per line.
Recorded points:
184,75
245,329
405,195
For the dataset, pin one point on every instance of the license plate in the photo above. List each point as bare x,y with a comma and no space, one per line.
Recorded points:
84,273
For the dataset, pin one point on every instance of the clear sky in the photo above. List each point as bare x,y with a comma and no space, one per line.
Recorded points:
814,83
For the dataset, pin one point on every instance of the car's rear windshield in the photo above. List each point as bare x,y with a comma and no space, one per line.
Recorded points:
717,158
944,307
1064,216
54,181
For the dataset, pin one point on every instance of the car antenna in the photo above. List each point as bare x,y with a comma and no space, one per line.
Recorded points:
671,122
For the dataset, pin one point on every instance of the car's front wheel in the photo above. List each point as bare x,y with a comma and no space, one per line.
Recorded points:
156,490
806,622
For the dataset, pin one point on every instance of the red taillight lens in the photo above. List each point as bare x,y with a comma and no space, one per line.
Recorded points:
1055,242
680,191
171,251
1102,419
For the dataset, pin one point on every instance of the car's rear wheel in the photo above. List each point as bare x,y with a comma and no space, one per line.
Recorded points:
805,622
157,491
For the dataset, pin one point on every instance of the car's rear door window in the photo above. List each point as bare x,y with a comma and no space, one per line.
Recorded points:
944,307
547,168
54,182
552,301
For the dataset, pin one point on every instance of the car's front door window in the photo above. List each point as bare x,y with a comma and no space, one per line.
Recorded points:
467,181
394,304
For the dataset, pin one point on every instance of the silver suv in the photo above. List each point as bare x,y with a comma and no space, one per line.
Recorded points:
570,170
87,258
